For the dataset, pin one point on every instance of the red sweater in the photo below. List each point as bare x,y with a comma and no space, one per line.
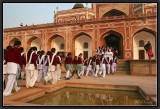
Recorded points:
6,56
115,53
94,59
34,58
69,60
104,60
89,62
97,61
23,60
54,60
58,60
38,59
79,60
85,62
14,55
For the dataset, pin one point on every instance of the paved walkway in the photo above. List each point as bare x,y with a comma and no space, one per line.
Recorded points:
147,83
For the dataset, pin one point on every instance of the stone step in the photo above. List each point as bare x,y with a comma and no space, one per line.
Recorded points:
123,69
123,66
122,62
122,73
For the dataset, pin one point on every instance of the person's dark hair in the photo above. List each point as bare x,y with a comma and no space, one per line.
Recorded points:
17,42
8,47
48,52
75,57
58,53
69,53
42,52
38,52
53,50
22,49
90,58
29,51
34,48
85,58
80,54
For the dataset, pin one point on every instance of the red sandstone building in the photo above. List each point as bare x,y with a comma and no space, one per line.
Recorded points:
126,27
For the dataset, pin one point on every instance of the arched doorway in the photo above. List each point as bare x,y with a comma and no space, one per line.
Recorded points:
11,43
139,40
34,41
114,40
83,44
57,42
113,12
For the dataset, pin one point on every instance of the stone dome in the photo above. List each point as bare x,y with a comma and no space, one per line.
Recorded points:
78,5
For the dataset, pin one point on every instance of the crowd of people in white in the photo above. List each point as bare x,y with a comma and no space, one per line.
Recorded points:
44,67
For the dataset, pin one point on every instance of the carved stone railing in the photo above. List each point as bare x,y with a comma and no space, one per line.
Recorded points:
112,18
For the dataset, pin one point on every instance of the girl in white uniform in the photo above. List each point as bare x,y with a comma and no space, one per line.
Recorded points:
108,65
97,65
46,64
84,66
31,67
103,66
13,59
40,67
58,67
89,66
114,65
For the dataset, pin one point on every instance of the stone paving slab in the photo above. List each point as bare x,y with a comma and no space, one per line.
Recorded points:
147,83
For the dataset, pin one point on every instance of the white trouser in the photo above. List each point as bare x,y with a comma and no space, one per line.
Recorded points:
103,69
58,71
54,77
97,70
88,69
39,78
11,83
108,68
18,71
114,65
5,77
51,76
31,77
68,74
82,72
45,71
4,72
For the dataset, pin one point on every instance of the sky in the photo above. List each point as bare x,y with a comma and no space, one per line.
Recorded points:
31,13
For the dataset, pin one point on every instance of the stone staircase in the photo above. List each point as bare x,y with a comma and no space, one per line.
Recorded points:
123,67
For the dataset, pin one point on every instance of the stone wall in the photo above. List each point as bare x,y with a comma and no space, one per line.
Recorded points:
143,67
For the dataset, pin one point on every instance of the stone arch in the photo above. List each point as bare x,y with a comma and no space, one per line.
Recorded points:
145,29
113,39
80,33
78,41
34,41
11,42
146,35
114,12
55,41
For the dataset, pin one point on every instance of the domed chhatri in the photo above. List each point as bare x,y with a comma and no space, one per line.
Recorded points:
78,5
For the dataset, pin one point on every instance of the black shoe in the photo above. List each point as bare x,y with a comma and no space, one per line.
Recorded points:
78,78
66,78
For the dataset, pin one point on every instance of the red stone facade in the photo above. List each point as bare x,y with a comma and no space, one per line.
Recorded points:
125,26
